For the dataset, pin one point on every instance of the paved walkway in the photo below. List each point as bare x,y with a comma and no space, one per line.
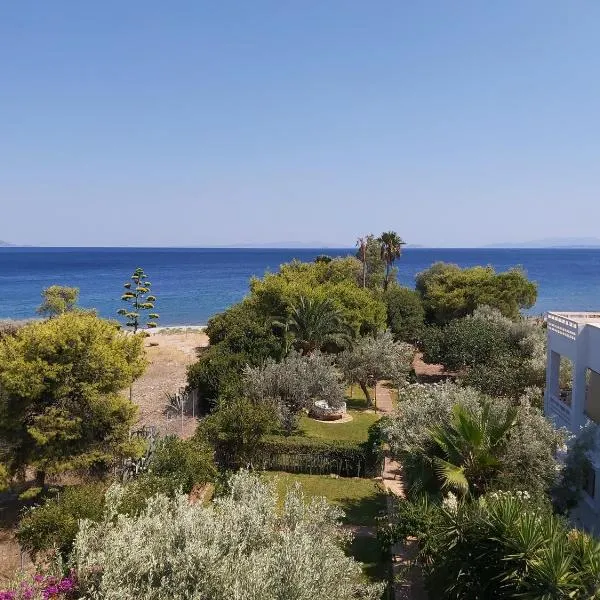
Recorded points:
411,587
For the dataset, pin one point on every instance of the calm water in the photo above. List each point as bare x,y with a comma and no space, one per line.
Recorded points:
193,284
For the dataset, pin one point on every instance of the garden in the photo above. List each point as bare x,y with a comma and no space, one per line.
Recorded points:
263,500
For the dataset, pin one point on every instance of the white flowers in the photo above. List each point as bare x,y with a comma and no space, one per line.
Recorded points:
450,503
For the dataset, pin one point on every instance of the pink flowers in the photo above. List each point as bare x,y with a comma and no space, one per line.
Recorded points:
42,587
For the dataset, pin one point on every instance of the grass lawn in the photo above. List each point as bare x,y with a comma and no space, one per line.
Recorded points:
361,499
354,431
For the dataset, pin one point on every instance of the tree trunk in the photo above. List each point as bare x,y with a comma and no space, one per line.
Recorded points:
365,389
40,478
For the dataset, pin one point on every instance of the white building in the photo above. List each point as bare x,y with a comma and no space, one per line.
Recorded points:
576,336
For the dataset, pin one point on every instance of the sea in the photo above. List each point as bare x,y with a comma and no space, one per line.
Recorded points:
192,284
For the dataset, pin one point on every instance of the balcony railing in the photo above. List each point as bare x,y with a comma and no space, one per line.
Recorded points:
562,325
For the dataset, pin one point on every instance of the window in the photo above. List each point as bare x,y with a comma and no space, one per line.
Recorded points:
589,480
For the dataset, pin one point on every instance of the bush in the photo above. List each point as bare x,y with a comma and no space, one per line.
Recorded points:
405,313
449,292
298,454
55,523
242,546
524,458
504,546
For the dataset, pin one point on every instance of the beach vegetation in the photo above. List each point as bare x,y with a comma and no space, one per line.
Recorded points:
373,358
140,313
58,299
449,292
60,404
244,543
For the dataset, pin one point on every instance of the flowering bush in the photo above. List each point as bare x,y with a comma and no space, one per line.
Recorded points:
42,587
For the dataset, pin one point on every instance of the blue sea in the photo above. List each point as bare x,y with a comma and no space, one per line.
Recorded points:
192,284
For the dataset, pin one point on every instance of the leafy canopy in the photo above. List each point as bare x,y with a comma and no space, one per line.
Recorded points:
449,292
60,379
58,299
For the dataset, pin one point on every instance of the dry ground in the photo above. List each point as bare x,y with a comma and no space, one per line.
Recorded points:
169,352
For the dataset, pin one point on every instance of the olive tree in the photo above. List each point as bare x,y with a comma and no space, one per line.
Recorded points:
295,384
377,357
243,545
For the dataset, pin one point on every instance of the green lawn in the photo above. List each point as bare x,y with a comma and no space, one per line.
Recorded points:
354,431
363,500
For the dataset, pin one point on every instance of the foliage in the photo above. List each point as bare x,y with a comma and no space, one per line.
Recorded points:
42,587
294,384
240,546
9,327
374,358
390,249
58,299
54,524
236,428
300,454
316,324
405,313
59,402
138,296
449,292
239,336
496,355
524,460
504,546
373,265
276,294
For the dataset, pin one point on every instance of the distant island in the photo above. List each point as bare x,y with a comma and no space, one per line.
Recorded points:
5,244
583,242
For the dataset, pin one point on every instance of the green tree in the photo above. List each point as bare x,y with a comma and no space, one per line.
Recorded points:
138,296
373,265
362,256
391,249
58,299
405,313
316,324
449,292
60,407
373,358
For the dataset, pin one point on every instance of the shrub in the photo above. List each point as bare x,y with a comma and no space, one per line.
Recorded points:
449,292
298,454
405,313
524,458
504,546
241,546
55,523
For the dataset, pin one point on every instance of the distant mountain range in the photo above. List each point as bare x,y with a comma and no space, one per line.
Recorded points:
4,244
583,242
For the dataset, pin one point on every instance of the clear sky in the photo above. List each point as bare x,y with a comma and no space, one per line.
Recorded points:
199,123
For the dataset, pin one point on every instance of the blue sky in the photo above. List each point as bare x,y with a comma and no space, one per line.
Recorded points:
202,123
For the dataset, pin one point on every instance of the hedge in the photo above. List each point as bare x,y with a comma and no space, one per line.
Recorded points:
298,454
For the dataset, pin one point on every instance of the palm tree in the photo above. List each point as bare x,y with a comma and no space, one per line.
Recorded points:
361,243
391,249
316,323
464,454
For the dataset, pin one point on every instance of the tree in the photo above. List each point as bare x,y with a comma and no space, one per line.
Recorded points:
524,458
248,544
373,265
391,249
294,384
449,292
362,256
236,428
138,295
60,407
58,299
317,324
405,313
373,358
